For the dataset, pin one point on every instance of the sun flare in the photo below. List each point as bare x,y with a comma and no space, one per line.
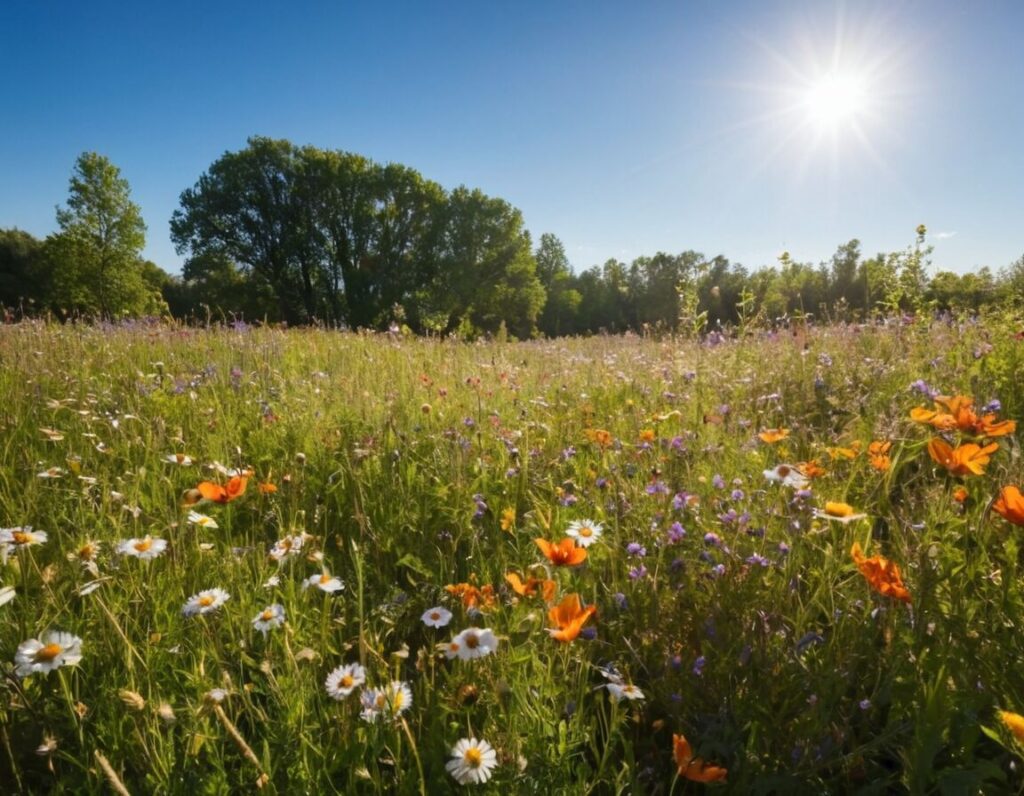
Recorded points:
836,98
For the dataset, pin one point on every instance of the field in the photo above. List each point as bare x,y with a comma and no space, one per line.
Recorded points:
229,516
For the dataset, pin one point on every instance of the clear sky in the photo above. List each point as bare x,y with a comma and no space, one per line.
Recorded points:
625,128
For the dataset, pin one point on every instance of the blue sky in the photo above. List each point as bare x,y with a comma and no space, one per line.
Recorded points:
623,128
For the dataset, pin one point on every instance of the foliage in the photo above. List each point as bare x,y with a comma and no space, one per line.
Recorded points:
95,257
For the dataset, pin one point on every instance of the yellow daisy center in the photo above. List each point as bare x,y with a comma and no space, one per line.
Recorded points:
143,544
48,653
435,616
325,579
347,681
206,600
397,700
20,537
473,758
586,531
267,615
472,641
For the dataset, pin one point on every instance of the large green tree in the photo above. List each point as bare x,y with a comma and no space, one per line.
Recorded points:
555,275
95,257
23,277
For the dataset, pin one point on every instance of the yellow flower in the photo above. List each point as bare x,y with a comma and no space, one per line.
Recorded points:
508,519
1014,723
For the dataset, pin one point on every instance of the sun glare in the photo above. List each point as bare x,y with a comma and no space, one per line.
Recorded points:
836,98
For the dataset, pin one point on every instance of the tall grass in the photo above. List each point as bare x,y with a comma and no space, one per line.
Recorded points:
399,458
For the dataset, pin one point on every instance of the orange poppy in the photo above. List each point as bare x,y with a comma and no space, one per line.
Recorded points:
878,455
844,453
693,768
811,469
960,494
471,596
568,617
267,488
223,494
647,435
964,459
600,436
957,412
773,435
1010,504
1014,723
529,588
562,554
882,574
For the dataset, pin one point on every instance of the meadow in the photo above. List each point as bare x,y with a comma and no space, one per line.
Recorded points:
307,561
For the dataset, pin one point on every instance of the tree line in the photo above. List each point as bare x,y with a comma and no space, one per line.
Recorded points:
281,233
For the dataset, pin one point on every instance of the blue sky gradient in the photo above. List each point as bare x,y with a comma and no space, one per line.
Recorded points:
622,128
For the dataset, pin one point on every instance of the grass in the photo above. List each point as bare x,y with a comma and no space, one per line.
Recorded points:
399,458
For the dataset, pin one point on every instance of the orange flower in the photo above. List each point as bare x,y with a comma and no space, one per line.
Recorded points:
1014,723
223,494
773,435
878,455
471,596
811,469
1010,504
267,488
882,574
563,554
647,435
568,617
844,453
693,768
508,519
957,412
960,494
964,459
600,436
529,588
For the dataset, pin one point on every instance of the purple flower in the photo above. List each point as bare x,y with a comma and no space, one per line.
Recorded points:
698,666
676,533
712,539
758,559
601,483
924,388
568,499
568,453
729,517
481,506
737,494
657,488
783,548
718,482
638,572
589,633
865,704
469,422
636,549
620,600
995,405
676,444
718,570
679,501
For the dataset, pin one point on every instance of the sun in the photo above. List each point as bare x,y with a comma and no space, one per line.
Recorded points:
836,98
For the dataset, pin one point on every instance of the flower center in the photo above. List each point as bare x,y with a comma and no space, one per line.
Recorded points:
838,509
472,641
783,471
48,653
381,701
20,537
436,616
346,681
267,615
397,701
143,544
473,758
325,579
586,531
206,600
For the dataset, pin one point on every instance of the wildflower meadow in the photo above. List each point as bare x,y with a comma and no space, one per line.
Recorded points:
305,561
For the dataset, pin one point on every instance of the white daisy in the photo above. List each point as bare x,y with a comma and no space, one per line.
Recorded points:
388,702
787,474
472,761
472,643
147,548
839,512
624,691
205,601
344,680
585,532
270,617
179,458
55,650
52,472
436,617
325,582
288,546
202,520
21,537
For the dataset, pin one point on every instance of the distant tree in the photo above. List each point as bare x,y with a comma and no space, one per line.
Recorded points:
555,275
95,255
23,277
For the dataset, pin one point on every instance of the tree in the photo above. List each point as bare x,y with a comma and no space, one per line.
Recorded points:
559,313
22,276
95,256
